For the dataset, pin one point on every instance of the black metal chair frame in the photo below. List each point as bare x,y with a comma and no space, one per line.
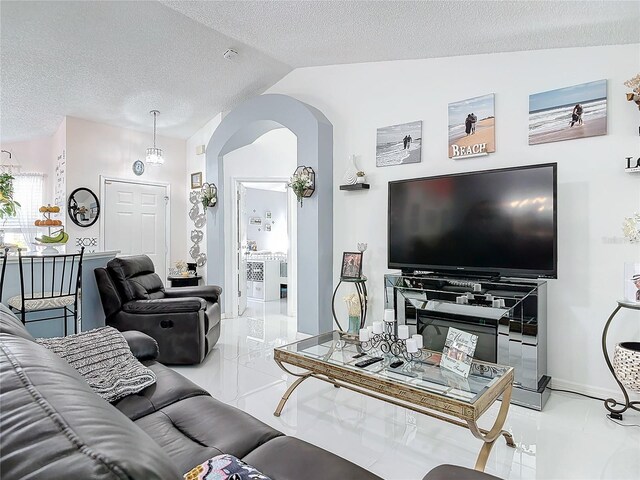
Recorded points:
63,261
4,269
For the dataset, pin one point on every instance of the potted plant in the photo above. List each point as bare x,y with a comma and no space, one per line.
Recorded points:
8,206
301,183
209,195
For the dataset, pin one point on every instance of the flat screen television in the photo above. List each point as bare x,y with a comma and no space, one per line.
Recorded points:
496,222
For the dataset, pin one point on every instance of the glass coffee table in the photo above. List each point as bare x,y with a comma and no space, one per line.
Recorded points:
420,385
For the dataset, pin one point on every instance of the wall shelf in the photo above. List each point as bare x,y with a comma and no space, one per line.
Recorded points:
356,186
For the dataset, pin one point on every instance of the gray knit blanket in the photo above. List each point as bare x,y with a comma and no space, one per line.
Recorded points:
102,356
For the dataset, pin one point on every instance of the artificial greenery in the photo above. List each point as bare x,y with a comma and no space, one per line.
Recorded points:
299,183
8,206
208,199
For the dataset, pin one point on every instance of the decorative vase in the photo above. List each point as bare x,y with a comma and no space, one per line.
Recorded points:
626,364
350,176
354,324
361,179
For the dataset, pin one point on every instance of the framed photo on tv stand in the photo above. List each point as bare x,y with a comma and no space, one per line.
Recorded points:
351,266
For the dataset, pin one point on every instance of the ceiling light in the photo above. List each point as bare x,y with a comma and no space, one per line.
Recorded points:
154,154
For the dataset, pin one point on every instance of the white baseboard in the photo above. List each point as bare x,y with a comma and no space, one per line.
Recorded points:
588,389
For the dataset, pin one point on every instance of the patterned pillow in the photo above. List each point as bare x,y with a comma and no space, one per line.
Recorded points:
224,467
104,359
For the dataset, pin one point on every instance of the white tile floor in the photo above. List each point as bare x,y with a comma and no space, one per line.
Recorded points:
571,438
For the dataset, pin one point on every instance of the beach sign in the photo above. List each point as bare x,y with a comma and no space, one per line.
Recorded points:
472,127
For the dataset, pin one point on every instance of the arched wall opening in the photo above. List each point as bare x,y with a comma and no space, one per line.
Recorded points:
314,132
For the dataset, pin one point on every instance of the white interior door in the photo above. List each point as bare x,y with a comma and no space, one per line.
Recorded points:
241,208
135,221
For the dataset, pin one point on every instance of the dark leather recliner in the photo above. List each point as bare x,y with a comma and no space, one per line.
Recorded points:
184,321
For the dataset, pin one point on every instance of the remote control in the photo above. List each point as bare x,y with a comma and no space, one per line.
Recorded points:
369,361
396,364
358,355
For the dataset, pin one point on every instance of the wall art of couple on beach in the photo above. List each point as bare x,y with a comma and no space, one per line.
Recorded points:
399,144
472,127
566,113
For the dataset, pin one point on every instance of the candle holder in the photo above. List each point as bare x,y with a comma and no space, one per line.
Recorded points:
389,342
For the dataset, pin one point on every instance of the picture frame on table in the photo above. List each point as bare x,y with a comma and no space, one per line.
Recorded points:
351,265
196,180
632,282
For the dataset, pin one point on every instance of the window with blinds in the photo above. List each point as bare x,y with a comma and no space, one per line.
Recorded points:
28,191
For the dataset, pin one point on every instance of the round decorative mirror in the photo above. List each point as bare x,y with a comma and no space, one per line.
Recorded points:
83,207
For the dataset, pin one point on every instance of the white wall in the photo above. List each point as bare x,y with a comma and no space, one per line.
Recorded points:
594,193
272,156
198,163
95,149
259,201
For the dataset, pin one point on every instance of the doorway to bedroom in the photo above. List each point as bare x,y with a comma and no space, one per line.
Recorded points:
264,217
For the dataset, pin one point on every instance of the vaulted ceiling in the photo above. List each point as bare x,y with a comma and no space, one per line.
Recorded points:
113,61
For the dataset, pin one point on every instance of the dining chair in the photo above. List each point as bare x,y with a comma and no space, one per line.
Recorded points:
5,254
49,283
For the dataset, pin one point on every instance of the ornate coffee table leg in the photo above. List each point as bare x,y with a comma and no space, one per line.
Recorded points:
491,436
288,393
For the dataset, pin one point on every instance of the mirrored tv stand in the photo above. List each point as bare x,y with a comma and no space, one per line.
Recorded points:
508,315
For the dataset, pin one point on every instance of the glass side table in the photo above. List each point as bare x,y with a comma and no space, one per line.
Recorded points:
361,290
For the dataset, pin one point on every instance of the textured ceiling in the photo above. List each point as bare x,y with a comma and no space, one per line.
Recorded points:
113,61
306,33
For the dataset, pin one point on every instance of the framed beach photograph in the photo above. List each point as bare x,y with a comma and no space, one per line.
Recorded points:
351,265
472,127
399,144
632,282
196,180
579,111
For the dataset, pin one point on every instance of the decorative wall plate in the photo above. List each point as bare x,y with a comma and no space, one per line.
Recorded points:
201,260
194,197
193,213
197,236
194,251
200,221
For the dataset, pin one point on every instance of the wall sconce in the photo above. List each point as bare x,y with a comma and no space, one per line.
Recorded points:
303,182
209,194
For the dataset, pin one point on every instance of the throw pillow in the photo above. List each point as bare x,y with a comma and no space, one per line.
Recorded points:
224,467
102,356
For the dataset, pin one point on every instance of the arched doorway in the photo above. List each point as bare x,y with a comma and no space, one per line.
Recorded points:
314,132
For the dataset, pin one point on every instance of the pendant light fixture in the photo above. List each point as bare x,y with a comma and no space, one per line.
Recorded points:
154,154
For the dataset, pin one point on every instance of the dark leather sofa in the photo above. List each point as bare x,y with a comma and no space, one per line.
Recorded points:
184,321
54,427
